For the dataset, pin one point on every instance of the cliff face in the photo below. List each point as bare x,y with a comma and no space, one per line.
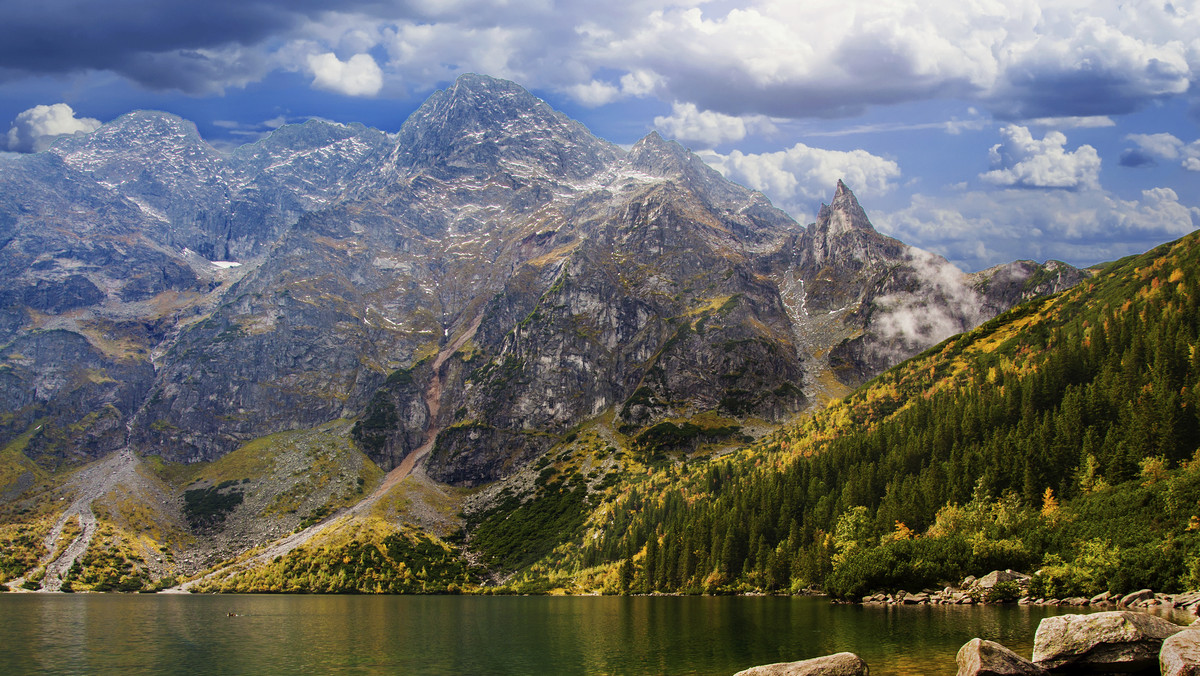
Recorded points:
493,272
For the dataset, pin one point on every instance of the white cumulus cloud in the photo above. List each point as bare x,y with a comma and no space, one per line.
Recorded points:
1022,161
359,76
978,229
689,124
1165,146
1022,59
639,83
798,178
426,54
36,128
1074,122
1162,146
594,93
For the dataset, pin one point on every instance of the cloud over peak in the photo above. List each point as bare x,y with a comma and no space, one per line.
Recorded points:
799,178
977,229
36,128
358,76
706,128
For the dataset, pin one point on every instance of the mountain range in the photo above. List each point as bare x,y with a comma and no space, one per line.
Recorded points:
202,352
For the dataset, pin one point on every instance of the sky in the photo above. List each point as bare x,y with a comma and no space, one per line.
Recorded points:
982,130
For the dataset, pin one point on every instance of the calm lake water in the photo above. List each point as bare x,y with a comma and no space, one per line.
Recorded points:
193,634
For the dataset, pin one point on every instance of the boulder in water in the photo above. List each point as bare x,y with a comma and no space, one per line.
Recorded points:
841,664
988,658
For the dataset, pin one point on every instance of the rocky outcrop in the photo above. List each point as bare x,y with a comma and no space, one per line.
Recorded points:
73,397
886,301
1009,284
473,454
840,664
996,577
988,658
1115,641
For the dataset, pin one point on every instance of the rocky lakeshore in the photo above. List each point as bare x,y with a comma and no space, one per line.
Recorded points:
1129,639
1110,642
1007,586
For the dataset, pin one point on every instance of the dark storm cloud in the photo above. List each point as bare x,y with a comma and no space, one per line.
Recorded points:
821,58
158,43
1082,92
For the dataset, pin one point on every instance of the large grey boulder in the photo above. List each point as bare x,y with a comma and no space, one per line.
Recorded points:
841,664
1180,654
1119,641
997,576
988,658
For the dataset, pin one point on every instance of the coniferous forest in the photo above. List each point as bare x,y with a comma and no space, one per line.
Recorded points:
1059,437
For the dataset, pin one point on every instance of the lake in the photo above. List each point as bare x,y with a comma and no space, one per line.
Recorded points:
194,634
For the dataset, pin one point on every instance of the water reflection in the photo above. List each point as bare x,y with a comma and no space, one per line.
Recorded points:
71,634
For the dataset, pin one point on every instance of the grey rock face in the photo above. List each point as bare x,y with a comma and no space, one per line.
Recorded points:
687,328
1121,641
159,162
637,283
839,664
84,394
482,124
987,658
1180,654
1009,284
997,576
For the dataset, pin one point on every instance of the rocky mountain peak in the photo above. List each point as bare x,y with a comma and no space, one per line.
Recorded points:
143,133
655,155
145,147
481,124
293,139
659,157
842,215
308,166
586,279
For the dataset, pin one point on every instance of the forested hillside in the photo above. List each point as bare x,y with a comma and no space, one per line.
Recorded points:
1060,436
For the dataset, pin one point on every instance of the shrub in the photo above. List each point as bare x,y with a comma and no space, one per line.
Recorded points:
907,564
1088,574
208,506
1003,592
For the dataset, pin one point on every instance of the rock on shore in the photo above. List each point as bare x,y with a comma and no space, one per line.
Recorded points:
1118,640
1180,654
988,658
840,664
